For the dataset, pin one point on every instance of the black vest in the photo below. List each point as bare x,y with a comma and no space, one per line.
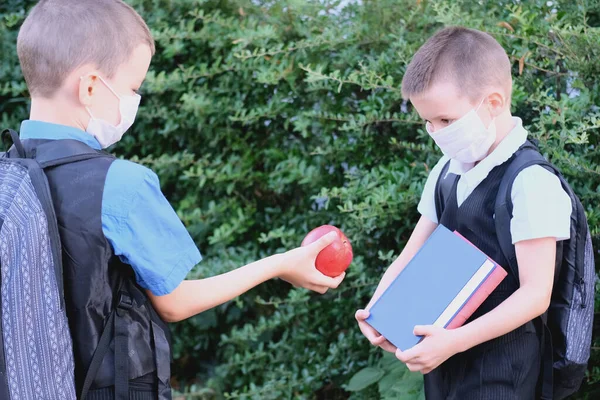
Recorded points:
474,219
97,282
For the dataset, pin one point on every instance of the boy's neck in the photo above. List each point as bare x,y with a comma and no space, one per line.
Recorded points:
51,110
504,124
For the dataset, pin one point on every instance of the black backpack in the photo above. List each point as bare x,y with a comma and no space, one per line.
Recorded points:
36,346
566,327
36,353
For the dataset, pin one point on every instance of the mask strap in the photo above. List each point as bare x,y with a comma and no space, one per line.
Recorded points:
89,112
477,109
109,88
107,85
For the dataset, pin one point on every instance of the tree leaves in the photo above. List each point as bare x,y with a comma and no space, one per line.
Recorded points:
364,378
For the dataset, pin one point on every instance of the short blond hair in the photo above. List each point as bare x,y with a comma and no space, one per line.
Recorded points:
58,36
472,59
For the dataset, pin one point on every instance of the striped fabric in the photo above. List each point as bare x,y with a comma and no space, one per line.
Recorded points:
36,339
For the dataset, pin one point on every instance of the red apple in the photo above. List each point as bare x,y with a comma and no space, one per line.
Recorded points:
335,258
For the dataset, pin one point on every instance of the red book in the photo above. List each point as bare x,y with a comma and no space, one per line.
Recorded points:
478,297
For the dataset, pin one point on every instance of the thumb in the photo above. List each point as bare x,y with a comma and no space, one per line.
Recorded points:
424,330
361,315
324,241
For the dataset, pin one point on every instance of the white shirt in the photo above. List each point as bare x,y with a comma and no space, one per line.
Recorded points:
541,207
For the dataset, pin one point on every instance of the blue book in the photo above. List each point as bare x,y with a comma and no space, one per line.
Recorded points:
443,284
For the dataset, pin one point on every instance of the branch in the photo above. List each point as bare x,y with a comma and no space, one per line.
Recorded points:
362,124
323,77
287,50
515,58
512,35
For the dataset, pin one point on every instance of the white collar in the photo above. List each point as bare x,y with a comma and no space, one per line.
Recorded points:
505,149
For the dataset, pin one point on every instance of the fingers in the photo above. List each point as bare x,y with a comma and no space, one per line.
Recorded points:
338,280
378,340
370,333
406,356
387,346
412,367
318,288
424,330
321,283
323,242
324,280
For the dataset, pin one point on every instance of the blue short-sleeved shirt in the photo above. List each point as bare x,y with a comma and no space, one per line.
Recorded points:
137,220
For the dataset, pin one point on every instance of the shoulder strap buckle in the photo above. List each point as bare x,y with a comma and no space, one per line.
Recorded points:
125,303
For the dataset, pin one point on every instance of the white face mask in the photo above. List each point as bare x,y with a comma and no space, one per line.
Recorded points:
466,140
108,134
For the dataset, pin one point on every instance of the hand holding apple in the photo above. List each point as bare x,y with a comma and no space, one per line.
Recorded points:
297,266
334,259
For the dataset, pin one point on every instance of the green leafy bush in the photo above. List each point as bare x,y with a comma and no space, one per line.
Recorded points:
265,118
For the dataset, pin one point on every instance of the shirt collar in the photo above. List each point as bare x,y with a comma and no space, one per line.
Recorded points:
505,149
31,129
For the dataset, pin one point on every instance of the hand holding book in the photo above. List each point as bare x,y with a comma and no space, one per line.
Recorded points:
438,345
371,334
441,287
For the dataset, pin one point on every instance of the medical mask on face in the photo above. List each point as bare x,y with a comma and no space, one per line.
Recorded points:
108,134
467,140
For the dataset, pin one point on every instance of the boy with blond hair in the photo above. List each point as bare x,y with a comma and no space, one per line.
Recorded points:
125,251
460,83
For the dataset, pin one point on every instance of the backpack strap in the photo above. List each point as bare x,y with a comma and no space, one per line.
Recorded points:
60,152
527,156
54,152
117,326
16,141
443,188
99,354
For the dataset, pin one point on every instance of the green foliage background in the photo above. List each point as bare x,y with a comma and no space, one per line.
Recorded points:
265,118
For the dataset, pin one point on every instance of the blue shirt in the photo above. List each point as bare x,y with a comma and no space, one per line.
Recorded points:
137,220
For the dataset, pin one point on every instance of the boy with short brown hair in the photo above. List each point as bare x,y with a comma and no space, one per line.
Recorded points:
460,83
125,251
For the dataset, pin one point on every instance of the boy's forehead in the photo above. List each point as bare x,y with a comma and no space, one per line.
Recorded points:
442,99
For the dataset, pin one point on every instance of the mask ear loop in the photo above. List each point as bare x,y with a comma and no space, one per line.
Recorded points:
109,88
107,85
480,103
493,117
86,107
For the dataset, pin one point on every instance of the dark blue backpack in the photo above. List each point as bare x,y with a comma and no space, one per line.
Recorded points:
566,327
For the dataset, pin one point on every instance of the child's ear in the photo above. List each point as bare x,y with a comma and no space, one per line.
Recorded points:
497,103
87,88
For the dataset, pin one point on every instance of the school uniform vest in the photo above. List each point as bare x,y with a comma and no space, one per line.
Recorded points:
474,219
507,366
108,312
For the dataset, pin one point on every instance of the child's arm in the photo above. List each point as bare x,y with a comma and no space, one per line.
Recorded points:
422,231
536,260
297,267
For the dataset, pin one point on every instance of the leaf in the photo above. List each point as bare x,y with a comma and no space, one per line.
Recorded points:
388,361
504,24
364,378
392,377
522,62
